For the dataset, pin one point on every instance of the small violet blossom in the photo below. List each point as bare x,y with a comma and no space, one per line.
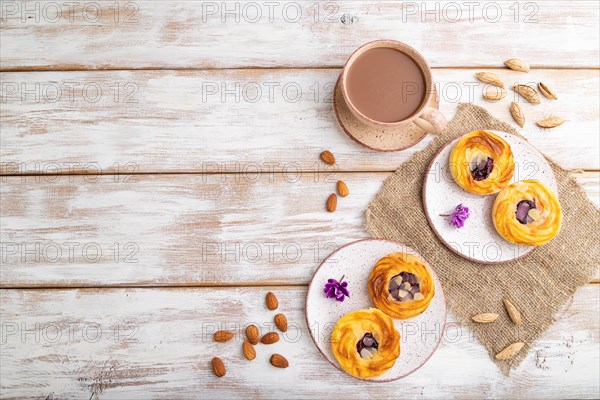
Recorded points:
337,290
459,216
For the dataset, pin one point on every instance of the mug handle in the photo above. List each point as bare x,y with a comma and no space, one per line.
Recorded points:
432,121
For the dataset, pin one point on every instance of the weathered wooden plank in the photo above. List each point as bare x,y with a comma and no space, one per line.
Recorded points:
238,120
212,34
140,343
180,229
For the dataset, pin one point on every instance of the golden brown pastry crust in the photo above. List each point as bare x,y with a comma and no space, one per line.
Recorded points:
472,149
351,328
548,214
386,269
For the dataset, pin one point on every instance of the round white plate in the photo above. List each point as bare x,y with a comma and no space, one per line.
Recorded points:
419,336
478,239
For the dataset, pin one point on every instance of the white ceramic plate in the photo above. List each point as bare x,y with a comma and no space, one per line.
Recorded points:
419,336
478,239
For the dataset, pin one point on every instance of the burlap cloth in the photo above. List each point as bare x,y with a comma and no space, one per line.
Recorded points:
539,284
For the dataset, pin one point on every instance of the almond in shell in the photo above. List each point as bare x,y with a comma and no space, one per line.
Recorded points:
517,114
517,64
281,322
223,336
513,313
252,334
546,91
485,318
271,301
248,350
510,351
494,95
491,78
551,122
270,338
529,93
279,361
218,367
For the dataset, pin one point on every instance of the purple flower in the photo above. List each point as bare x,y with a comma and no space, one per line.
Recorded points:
459,216
337,290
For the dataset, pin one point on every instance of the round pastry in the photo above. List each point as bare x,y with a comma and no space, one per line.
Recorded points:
527,212
482,163
401,285
365,343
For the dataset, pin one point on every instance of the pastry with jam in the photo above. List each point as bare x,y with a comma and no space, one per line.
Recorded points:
365,343
482,163
401,285
528,213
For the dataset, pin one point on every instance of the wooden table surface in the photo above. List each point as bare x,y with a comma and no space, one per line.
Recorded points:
160,174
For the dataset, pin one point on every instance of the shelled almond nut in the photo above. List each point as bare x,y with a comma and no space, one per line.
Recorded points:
252,334
281,322
328,157
271,300
270,338
517,64
484,318
223,336
279,361
510,351
248,350
342,189
331,202
218,367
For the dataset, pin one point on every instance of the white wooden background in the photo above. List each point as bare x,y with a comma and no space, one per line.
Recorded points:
181,139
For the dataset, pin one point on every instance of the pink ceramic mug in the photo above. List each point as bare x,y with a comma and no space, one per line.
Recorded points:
426,117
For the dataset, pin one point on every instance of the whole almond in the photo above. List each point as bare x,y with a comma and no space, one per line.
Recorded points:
331,203
252,334
491,78
279,361
328,157
342,189
271,301
270,338
552,122
494,95
546,91
528,93
517,65
218,367
510,351
223,336
484,318
517,114
281,322
248,350
513,313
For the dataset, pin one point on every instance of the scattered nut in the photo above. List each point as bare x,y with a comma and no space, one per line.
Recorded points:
485,318
513,313
223,336
517,114
517,65
551,122
331,202
528,93
281,322
510,351
271,301
328,157
494,95
253,334
546,91
270,338
342,189
248,350
491,78
218,367
279,361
